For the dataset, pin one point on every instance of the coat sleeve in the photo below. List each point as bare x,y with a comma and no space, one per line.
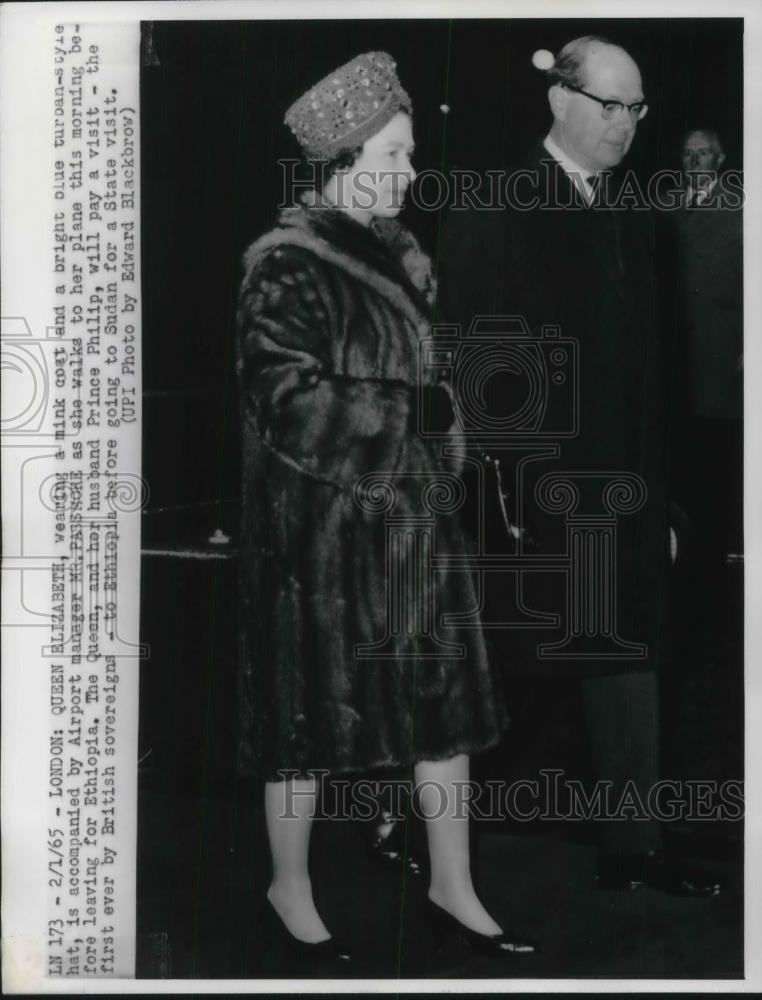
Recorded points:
330,427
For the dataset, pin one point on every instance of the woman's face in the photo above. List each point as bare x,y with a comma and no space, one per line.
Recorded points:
375,185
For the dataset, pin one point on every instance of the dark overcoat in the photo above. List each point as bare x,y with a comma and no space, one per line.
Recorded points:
588,270
710,305
331,315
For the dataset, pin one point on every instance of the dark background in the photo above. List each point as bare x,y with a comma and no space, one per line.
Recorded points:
213,96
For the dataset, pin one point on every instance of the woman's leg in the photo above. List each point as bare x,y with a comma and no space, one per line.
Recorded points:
289,808
442,805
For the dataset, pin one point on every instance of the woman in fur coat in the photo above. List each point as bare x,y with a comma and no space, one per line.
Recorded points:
336,676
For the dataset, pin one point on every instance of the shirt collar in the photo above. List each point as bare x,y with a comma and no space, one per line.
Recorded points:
704,193
577,175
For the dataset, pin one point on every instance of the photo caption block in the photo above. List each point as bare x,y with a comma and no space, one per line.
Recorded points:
97,491
72,500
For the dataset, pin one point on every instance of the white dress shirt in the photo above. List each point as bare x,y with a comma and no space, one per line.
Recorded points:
579,177
703,192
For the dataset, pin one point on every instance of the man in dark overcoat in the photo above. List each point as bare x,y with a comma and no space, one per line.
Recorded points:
707,235
570,251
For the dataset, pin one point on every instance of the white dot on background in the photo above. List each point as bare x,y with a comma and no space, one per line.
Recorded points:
543,59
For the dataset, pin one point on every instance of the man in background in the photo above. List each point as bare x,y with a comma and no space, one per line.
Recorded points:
708,232
704,251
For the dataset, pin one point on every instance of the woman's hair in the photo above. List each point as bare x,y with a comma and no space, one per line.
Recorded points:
325,169
317,173
569,67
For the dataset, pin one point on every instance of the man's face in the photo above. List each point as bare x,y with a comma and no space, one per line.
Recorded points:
701,154
591,140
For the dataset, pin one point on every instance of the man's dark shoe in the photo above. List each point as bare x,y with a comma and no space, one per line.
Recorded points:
389,848
656,870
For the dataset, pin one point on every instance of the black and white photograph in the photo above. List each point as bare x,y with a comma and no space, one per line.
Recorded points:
413,643
443,576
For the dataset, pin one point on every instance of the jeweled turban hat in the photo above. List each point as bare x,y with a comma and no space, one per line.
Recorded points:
349,106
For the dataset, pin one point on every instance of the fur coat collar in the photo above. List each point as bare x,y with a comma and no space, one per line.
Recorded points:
384,256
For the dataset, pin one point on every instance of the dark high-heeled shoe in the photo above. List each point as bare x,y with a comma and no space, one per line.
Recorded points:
329,952
442,924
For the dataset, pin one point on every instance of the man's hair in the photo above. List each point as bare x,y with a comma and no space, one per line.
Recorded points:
710,133
569,67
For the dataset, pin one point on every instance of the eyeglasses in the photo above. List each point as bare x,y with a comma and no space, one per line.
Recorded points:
612,109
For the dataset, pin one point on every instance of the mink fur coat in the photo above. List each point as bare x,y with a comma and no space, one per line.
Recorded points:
331,314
